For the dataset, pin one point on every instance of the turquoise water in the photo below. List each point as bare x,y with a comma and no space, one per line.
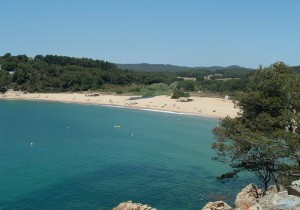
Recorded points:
69,156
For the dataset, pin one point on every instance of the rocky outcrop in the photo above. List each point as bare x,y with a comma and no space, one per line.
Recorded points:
217,205
129,205
277,201
252,198
247,197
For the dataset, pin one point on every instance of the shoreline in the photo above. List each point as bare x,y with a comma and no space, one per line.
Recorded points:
199,106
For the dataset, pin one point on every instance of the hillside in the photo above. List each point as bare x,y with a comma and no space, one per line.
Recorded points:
173,68
296,69
153,67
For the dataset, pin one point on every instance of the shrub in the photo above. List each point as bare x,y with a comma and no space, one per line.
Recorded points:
179,93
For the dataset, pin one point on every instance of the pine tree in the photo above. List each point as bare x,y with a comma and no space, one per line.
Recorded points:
265,138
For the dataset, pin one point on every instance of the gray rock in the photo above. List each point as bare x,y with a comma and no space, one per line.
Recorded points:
294,188
279,201
296,183
257,206
217,205
251,198
129,205
247,197
294,191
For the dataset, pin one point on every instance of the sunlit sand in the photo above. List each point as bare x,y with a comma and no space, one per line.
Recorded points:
200,106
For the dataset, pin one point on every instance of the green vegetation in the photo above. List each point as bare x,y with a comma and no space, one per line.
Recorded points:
234,73
53,73
179,93
152,67
224,87
296,69
198,74
265,138
174,68
186,85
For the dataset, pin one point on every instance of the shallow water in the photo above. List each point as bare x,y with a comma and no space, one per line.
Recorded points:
70,156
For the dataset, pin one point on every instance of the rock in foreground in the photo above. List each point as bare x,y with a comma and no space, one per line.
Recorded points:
279,201
217,205
247,197
252,198
129,205
294,188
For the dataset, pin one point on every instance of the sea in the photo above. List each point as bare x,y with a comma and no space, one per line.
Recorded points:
75,156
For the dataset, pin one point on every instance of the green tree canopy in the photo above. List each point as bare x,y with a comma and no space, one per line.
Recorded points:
264,138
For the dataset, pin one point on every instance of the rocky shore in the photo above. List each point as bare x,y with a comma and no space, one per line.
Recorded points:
250,198
253,198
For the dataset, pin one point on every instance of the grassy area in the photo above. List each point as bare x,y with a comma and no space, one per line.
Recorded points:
188,78
154,90
146,91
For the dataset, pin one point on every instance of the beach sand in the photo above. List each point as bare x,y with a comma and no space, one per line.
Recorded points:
199,106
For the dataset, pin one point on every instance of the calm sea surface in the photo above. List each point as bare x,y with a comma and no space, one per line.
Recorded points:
70,156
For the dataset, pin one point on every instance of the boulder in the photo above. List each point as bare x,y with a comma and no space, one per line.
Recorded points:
279,201
247,197
294,188
217,205
129,205
296,183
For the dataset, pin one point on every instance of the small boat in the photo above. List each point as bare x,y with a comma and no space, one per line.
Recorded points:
117,126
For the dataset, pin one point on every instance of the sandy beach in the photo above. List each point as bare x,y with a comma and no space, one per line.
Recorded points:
199,106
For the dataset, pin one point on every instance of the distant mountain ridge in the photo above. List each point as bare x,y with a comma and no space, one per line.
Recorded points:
173,68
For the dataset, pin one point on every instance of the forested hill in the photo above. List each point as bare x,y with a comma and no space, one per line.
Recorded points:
173,68
13,63
153,67
53,73
296,69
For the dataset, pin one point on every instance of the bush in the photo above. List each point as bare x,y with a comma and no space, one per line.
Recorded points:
179,93
186,85
119,91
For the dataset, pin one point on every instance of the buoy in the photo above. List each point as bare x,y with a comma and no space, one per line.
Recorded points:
132,134
31,144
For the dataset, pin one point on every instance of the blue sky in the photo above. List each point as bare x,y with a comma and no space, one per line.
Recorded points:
180,32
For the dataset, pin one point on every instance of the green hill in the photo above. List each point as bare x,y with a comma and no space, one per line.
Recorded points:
296,69
173,68
153,67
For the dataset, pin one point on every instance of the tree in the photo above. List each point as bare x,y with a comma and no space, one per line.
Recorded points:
9,66
264,139
186,85
177,93
4,81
